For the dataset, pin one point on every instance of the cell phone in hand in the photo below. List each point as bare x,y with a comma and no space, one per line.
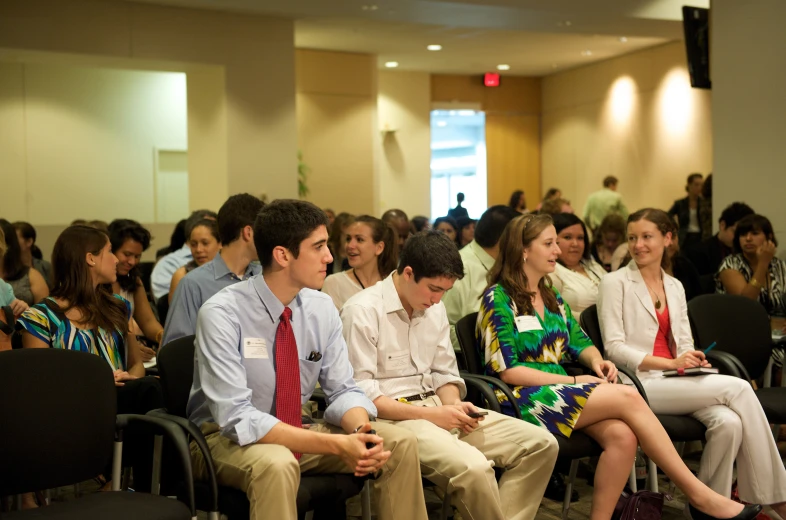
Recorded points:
370,445
476,415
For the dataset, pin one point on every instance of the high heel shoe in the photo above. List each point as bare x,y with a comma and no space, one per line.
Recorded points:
749,512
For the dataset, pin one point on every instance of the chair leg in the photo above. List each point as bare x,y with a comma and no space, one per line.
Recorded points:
117,465
574,468
77,490
365,501
632,479
214,515
653,475
768,373
155,481
447,509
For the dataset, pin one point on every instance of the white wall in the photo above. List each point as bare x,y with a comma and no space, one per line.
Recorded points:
749,107
404,105
635,117
86,138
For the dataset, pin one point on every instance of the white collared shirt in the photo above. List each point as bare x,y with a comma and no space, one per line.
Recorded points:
578,291
393,355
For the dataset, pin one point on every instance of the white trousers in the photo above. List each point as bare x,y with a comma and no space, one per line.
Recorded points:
737,430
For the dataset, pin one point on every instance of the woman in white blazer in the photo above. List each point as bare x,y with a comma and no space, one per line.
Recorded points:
644,322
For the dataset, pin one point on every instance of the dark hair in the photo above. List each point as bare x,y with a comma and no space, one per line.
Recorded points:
28,233
381,232
612,223
120,231
211,225
431,254
514,199
553,206
508,268
691,178
735,212
392,215
550,193
491,224
72,280
460,197
285,223
566,220
662,221
610,181
419,223
336,233
178,237
447,220
750,223
195,217
234,215
13,267
706,188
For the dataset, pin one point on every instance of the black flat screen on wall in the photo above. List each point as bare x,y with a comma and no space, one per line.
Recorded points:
696,23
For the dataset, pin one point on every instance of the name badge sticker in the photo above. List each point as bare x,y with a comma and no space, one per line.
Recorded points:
527,323
254,348
397,360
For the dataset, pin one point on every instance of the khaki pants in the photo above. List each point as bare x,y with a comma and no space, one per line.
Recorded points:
270,475
462,464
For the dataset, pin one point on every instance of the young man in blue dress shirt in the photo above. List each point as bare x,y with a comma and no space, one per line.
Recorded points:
241,334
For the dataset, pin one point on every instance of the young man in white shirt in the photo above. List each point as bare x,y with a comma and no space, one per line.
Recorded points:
398,338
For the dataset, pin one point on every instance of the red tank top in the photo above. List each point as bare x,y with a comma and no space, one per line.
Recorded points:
662,348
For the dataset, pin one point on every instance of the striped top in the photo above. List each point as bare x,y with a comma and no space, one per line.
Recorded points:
47,322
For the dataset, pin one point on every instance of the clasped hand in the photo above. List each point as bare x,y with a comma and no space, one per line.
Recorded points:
606,371
362,460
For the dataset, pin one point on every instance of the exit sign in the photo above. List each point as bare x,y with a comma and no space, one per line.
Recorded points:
491,79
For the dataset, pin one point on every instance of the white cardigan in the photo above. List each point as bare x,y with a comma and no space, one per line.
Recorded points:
628,322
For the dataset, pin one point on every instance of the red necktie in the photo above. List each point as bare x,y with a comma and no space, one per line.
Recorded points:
287,374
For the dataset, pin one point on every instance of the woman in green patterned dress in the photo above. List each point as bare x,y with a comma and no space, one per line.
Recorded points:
526,331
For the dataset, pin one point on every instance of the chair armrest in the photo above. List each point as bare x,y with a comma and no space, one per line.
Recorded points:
500,385
485,390
193,431
630,374
174,433
727,363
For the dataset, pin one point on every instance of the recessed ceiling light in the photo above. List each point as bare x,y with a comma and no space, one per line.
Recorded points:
434,47
586,53
370,7
568,23
391,64
623,39
503,67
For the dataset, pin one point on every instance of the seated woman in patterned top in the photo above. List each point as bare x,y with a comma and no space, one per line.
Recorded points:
81,314
526,331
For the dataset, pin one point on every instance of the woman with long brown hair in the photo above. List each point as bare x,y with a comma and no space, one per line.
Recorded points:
81,313
526,332
372,250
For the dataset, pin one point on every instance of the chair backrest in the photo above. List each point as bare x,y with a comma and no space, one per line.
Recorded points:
58,410
590,324
465,333
739,326
176,369
162,306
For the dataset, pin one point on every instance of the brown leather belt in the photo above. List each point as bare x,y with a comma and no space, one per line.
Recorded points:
416,397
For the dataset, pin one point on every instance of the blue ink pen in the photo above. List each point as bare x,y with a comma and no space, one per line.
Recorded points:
712,346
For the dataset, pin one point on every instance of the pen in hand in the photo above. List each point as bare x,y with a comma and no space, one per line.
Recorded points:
712,346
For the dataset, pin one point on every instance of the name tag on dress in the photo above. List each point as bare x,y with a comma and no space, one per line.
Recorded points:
397,360
527,323
254,348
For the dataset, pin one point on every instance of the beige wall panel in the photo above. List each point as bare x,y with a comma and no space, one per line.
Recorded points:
335,73
13,156
405,171
513,156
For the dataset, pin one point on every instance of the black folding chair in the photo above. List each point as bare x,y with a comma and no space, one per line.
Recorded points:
60,427
680,428
741,328
577,447
326,495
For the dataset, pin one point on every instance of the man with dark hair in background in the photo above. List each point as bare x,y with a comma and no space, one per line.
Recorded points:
234,263
261,347
161,277
708,254
477,257
459,211
399,343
